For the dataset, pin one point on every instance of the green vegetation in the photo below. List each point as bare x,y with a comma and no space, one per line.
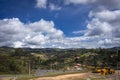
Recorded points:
18,60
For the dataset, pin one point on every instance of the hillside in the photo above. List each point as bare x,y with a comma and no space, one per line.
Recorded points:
18,60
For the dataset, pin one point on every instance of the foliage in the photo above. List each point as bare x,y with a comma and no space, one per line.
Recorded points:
18,60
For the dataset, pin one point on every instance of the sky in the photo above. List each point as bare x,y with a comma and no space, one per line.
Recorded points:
60,23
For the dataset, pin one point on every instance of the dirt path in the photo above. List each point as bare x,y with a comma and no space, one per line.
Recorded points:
67,77
78,76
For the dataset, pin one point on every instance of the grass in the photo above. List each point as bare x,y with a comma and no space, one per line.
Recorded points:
18,76
27,77
50,74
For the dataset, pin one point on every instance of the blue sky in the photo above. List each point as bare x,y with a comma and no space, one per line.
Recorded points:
60,23
64,19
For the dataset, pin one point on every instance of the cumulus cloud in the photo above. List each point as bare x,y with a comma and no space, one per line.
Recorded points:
41,3
104,23
109,42
107,20
15,33
106,15
97,27
42,34
103,29
11,30
39,34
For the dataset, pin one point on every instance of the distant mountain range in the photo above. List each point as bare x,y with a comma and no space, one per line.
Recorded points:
57,49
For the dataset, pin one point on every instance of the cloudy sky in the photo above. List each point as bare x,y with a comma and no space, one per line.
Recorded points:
60,23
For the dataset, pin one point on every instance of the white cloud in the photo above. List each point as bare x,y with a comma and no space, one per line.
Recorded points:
54,7
103,29
105,25
37,34
46,4
47,28
43,34
11,30
106,15
18,44
97,28
109,42
41,3
79,32
107,20
112,4
79,1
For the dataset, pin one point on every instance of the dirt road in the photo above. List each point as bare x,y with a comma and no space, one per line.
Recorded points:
86,76
68,77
